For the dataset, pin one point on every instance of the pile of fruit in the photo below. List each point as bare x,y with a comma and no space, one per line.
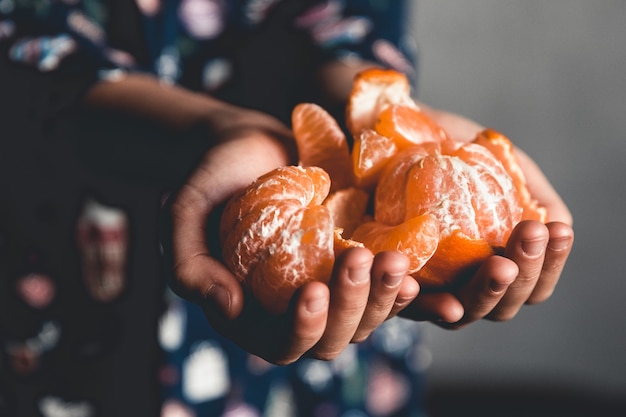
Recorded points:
405,185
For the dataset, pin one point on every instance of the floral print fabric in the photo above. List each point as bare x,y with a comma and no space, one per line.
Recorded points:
208,376
181,35
191,43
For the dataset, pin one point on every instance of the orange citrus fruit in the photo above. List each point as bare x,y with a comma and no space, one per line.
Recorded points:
405,186
469,193
276,235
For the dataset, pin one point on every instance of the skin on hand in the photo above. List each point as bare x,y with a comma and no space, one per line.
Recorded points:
245,144
322,320
364,290
534,258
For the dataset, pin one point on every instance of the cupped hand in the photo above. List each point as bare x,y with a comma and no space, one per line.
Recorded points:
526,273
528,270
322,319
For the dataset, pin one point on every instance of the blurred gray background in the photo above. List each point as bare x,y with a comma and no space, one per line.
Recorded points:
551,75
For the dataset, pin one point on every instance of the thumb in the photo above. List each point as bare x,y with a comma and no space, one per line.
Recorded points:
191,271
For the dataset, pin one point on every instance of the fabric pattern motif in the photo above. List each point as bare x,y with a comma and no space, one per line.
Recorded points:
191,43
54,35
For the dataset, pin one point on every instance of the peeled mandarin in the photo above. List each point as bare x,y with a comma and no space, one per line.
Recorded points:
404,186
276,235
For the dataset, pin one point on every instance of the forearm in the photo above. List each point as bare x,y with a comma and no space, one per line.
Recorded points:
145,96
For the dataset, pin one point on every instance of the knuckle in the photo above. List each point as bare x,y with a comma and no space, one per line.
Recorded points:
554,267
380,304
326,356
282,361
540,297
360,337
525,281
502,315
453,326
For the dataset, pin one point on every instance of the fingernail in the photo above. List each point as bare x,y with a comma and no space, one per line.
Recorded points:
392,280
559,244
497,287
358,275
401,301
316,305
533,248
443,320
220,299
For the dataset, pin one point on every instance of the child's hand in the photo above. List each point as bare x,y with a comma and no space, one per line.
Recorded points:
365,290
530,267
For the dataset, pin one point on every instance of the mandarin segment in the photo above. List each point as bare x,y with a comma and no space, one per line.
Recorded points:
341,244
322,143
440,185
408,125
390,197
348,208
502,148
372,91
456,257
370,154
417,238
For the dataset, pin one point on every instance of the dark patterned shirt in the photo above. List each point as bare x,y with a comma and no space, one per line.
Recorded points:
191,42
197,44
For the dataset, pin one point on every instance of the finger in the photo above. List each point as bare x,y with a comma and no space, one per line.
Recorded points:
542,190
277,339
196,275
436,307
349,291
387,274
557,252
309,322
210,185
409,289
487,287
527,248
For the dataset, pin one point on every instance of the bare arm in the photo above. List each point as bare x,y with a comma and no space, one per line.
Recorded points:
146,96
179,108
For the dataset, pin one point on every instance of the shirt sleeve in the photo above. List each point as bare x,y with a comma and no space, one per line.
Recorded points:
59,36
375,31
